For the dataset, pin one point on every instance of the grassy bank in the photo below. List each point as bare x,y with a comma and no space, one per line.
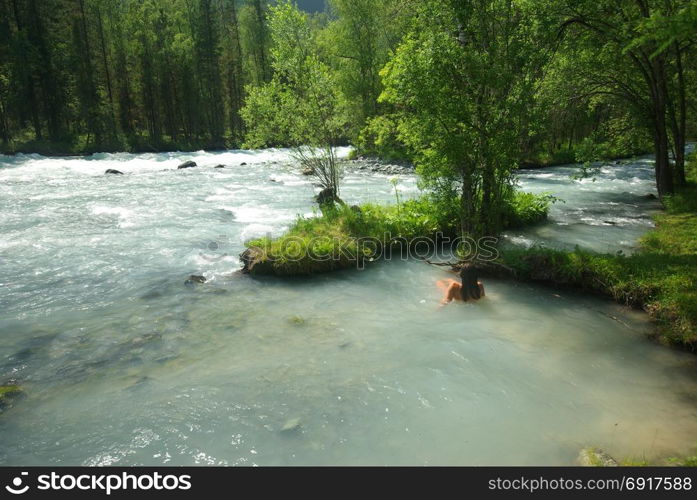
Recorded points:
661,277
342,237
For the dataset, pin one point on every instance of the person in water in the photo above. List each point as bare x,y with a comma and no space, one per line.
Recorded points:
469,289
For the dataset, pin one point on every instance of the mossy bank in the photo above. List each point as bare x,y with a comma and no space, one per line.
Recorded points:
342,237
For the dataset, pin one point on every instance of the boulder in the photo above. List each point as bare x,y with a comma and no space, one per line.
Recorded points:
243,164
194,279
111,171
187,164
308,171
219,166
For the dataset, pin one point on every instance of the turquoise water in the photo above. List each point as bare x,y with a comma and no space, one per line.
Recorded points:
124,364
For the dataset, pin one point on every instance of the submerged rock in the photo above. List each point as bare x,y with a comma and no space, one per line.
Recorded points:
291,425
595,457
296,320
219,166
8,394
187,164
112,171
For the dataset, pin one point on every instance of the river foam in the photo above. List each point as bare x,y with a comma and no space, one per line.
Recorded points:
124,364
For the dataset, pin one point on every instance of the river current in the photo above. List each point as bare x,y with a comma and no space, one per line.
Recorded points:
122,363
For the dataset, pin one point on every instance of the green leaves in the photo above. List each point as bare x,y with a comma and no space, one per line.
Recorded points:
462,82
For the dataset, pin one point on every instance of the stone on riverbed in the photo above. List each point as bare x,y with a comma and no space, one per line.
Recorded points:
187,164
111,171
291,425
8,394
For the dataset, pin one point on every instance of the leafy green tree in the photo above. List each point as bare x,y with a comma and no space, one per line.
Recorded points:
301,106
463,78
358,40
632,66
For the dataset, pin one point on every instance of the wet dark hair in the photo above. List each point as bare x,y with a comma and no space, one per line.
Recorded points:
469,274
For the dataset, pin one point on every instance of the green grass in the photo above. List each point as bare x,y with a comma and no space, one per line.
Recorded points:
343,237
661,277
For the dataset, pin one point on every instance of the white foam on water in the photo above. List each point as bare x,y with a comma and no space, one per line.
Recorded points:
126,364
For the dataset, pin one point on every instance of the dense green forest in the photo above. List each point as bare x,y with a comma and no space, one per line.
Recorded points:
449,84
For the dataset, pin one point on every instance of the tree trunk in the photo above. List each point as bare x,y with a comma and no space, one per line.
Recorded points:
681,122
664,174
107,73
466,204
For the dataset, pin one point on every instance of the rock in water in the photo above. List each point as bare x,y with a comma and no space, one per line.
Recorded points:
187,164
219,166
243,164
308,171
193,279
291,425
595,457
111,171
8,393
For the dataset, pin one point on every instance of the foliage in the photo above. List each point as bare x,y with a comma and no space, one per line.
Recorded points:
380,137
455,79
301,105
335,238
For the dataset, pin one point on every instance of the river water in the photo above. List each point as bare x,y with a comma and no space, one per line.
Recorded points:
123,364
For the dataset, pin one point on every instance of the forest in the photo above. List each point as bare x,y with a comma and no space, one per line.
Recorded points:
559,81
